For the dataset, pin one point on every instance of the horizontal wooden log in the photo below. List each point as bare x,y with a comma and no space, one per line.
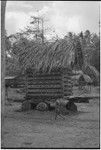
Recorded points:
49,98
67,84
68,93
41,78
66,71
66,77
69,81
21,85
48,94
44,83
44,73
42,93
44,90
44,76
67,89
45,86
52,71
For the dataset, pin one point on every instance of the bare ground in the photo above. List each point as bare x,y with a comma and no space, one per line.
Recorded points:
34,129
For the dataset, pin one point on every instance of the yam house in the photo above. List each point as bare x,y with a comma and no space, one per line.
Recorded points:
48,70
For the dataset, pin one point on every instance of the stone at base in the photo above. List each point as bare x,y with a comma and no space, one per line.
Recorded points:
42,106
71,106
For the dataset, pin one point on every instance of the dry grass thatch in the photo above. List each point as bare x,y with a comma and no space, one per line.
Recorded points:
82,78
59,54
93,73
86,78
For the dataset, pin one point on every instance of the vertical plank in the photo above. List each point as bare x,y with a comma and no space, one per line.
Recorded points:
26,83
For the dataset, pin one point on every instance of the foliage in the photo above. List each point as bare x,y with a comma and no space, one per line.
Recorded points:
12,66
11,60
95,59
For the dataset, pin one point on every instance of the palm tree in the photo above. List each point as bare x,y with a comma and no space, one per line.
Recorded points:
3,7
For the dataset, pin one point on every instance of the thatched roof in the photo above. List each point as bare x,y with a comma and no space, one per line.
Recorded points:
59,54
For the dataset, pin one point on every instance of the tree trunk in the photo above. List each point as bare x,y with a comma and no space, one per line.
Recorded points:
3,6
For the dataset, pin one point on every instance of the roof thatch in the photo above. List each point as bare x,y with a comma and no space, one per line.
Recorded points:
59,54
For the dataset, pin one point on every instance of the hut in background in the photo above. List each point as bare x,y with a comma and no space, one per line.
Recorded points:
48,70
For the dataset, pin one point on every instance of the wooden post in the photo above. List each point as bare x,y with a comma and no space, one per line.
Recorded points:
3,7
42,30
26,83
63,84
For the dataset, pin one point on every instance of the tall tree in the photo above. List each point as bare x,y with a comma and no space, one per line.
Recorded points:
3,7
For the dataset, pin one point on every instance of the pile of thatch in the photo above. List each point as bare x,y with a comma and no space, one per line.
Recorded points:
85,78
44,57
92,73
82,79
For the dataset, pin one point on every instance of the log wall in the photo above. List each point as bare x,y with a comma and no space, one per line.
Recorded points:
48,85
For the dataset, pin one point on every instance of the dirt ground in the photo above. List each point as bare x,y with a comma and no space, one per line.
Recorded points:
35,129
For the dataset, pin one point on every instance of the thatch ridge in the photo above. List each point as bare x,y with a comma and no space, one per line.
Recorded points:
59,54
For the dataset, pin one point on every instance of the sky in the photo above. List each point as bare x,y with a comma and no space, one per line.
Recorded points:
60,16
